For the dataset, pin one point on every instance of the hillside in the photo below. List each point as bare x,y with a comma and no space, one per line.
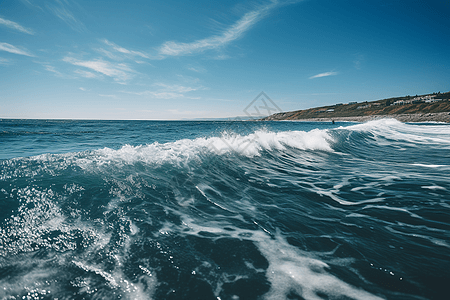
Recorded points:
419,108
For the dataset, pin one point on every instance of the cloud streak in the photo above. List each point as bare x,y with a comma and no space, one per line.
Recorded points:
15,26
52,69
359,59
175,88
12,49
59,8
166,91
157,94
62,11
86,74
234,32
119,72
4,61
323,75
125,51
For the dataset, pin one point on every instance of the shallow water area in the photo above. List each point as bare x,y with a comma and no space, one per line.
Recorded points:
224,210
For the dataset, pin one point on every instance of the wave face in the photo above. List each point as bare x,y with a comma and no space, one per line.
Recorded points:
224,210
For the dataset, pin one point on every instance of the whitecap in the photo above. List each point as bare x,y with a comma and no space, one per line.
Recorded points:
429,166
411,133
434,187
185,150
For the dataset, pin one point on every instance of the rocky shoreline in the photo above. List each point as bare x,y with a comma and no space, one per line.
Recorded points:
443,117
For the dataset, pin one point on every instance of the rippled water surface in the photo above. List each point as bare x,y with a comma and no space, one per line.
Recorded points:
224,210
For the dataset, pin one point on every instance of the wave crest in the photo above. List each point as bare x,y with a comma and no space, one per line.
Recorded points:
250,145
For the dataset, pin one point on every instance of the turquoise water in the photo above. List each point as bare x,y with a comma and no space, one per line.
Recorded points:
224,210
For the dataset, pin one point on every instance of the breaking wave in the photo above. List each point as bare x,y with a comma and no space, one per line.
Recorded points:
345,212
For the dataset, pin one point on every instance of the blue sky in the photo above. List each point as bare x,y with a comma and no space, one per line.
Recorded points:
76,59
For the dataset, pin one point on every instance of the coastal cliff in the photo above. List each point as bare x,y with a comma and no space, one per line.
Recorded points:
420,108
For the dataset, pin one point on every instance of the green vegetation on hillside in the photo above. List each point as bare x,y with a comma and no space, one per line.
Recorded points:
418,104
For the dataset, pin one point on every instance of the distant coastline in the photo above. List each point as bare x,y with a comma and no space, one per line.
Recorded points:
443,117
420,108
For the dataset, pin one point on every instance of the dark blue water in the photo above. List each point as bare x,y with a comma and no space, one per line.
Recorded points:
224,210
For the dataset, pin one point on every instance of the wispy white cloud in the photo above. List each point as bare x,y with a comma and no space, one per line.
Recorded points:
232,33
175,88
12,49
359,59
165,95
86,74
108,54
125,51
4,61
324,75
62,11
197,69
52,69
166,91
119,72
15,26
28,2
222,57
83,89
189,79
157,94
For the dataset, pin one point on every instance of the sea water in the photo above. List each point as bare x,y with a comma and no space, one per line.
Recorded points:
224,210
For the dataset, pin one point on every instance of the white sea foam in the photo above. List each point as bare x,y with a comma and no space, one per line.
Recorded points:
289,268
434,187
252,144
394,209
396,130
178,152
41,224
430,166
39,283
117,280
436,241
333,194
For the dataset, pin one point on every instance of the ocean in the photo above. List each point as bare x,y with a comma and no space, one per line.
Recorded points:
224,210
